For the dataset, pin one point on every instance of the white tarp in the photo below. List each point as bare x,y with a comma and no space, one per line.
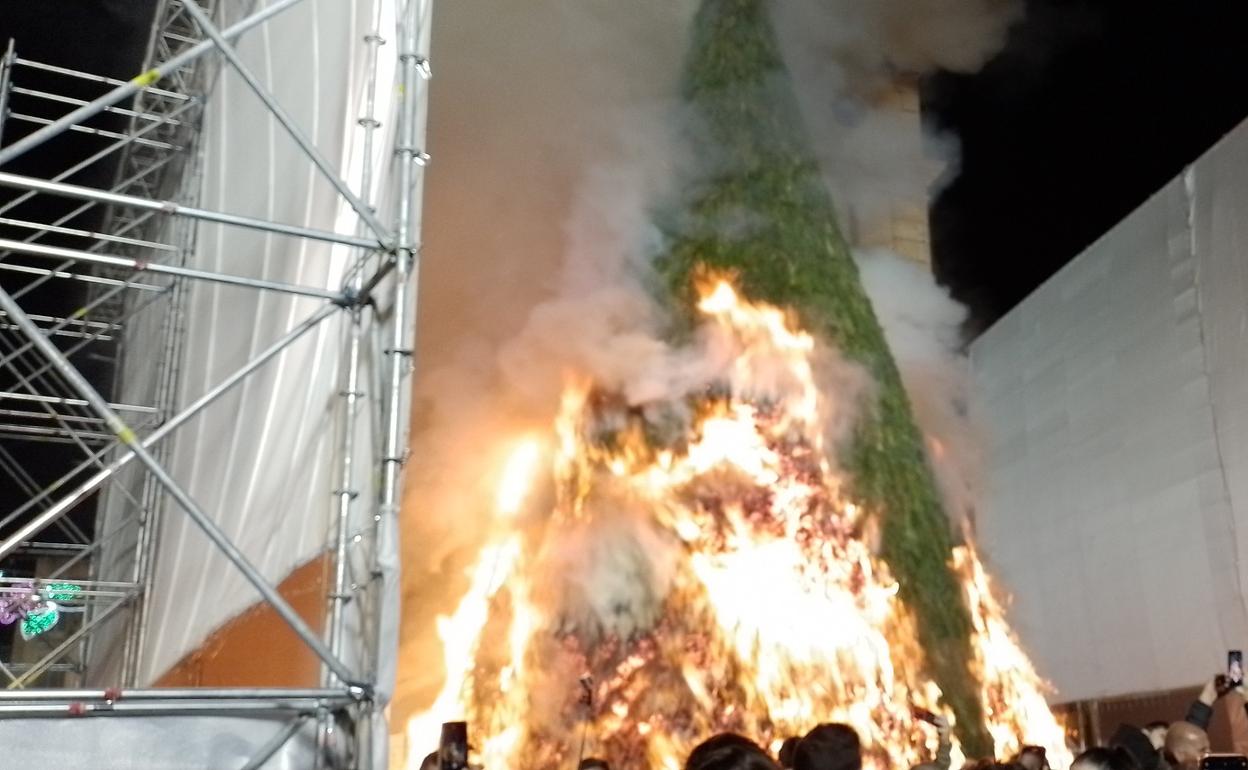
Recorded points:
263,461
1114,401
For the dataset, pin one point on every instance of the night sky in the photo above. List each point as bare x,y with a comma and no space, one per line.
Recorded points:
1092,106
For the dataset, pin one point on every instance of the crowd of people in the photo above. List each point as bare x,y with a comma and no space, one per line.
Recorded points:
1155,746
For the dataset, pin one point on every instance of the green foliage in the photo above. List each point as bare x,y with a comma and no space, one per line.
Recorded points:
762,212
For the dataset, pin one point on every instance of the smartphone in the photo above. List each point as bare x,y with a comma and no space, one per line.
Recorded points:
1235,668
1224,762
453,747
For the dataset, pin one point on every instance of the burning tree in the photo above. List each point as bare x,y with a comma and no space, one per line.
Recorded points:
764,214
700,558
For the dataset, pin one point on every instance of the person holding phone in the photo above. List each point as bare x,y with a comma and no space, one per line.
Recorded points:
944,746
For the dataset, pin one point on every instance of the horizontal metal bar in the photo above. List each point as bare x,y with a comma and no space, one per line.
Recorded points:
18,668
86,595
118,584
228,694
156,709
43,271
54,415
61,230
36,433
11,396
95,336
36,65
169,207
24,118
92,336
40,250
51,549
51,97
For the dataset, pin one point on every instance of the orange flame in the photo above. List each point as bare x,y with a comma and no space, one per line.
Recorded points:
518,476
770,611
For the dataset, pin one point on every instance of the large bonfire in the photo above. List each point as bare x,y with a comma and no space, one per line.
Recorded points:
775,612
763,550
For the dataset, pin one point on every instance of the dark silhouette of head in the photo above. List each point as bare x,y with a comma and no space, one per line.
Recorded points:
787,750
593,763
990,764
729,751
829,747
1137,744
1105,758
430,762
1032,758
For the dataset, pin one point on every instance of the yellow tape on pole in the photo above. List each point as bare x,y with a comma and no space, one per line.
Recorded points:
145,79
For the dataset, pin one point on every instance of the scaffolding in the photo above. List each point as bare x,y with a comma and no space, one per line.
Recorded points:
94,324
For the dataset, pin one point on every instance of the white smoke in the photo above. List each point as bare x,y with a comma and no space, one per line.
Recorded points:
848,59
922,324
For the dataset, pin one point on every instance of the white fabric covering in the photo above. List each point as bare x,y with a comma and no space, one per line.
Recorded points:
153,743
1115,405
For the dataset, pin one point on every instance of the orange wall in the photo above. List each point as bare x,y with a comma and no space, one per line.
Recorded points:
257,648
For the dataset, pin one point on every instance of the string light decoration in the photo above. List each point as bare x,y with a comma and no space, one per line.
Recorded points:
36,609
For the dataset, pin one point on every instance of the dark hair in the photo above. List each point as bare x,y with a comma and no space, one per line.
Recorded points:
1133,741
1116,758
990,764
593,763
787,750
729,751
829,747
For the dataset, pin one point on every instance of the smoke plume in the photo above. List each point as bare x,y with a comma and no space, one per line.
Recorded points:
855,65
922,324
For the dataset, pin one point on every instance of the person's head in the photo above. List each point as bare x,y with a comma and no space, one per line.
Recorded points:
787,750
990,764
1186,744
1101,758
1032,758
729,751
593,763
829,747
1156,733
430,762
1133,740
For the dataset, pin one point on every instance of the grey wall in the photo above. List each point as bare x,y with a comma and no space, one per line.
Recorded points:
1115,405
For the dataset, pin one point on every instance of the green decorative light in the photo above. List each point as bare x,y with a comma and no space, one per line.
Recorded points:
39,621
61,592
